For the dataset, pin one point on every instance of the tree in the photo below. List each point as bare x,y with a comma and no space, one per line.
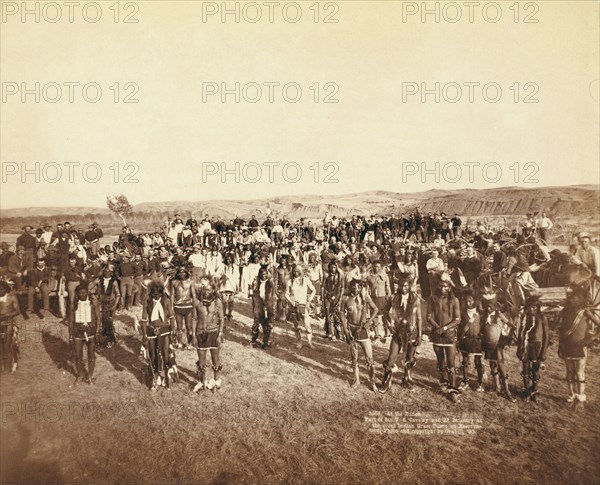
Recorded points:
120,206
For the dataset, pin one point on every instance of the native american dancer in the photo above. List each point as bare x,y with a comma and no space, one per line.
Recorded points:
184,301
83,327
406,334
332,293
209,337
532,342
496,336
158,327
263,306
578,329
9,344
470,341
229,279
282,279
443,314
355,325
380,292
108,296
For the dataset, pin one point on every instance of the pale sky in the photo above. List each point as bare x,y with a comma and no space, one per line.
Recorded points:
371,135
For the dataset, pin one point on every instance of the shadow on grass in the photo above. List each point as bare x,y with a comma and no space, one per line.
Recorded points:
18,467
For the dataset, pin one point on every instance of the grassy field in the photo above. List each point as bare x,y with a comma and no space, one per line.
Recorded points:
282,416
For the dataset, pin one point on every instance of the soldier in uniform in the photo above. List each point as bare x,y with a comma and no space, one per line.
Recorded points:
209,337
83,327
263,306
39,279
443,314
470,341
406,333
355,325
9,347
532,342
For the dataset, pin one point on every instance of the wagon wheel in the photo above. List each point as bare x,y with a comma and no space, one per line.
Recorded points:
593,290
490,280
558,233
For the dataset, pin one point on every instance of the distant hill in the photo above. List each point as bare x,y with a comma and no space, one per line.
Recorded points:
579,202
503,201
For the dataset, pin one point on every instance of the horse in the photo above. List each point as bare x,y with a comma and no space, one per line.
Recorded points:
561,271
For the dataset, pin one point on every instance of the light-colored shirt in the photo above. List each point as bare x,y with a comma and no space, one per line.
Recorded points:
198,260
158,312
544,223
299,290
83,314
590,257
435,264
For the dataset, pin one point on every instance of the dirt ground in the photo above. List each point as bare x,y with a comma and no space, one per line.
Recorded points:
282,416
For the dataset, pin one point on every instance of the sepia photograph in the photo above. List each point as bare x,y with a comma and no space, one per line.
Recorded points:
299,242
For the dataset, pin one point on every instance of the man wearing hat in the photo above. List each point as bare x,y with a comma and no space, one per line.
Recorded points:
56,234
29,244
17,269
92,241
39,279
46,234
520,285
126,273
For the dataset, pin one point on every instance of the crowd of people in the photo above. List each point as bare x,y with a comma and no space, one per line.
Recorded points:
402,280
